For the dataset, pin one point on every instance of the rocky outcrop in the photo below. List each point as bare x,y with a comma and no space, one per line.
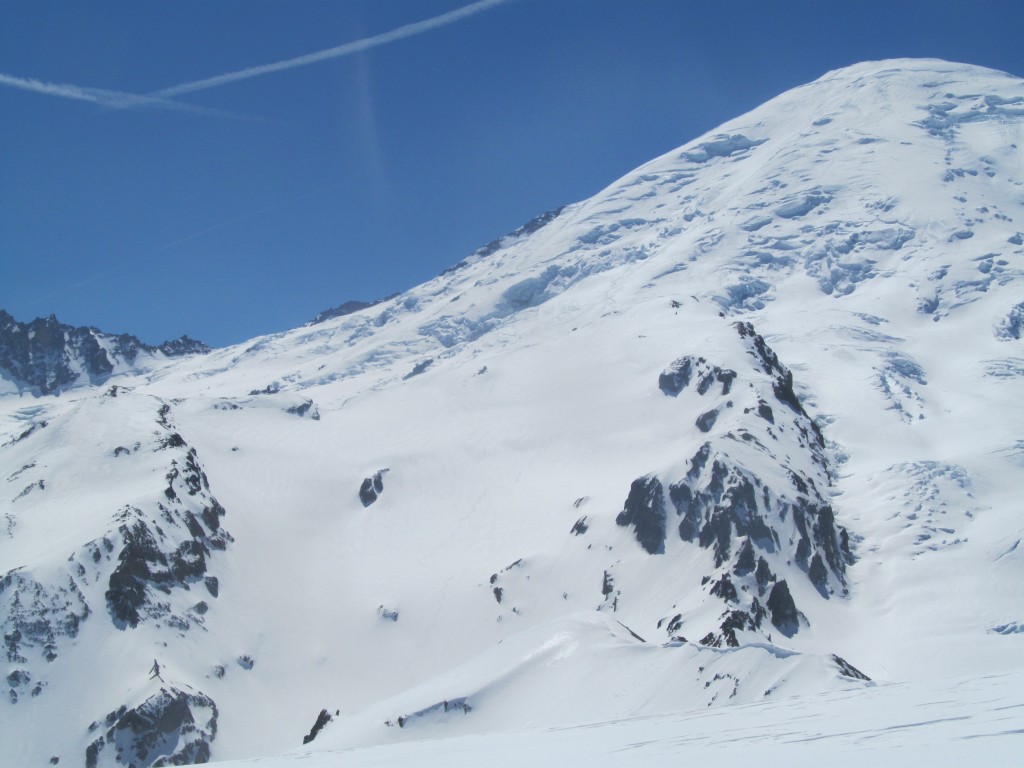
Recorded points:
154,557
36,615
751,494
321,720
678,376
46,356
645,512
171,727
372,487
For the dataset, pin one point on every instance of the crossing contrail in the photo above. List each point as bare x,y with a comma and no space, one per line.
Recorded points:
101,96
164,98
346,49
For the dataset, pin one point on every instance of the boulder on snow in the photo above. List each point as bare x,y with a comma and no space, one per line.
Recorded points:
372,487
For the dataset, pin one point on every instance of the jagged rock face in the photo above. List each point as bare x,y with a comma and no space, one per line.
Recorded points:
645,511
158,557
48,356
171,727
726,503
38,615
148,563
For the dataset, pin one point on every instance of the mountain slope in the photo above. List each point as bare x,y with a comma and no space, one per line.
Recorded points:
755,403
46,356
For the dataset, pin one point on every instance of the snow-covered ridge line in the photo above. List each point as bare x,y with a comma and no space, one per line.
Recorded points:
46,356
744,424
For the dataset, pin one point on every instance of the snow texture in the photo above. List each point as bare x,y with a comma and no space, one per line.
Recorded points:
732,447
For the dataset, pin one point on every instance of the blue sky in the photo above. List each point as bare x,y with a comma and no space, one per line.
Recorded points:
247,207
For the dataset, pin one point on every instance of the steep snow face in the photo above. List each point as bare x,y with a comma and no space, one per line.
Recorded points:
746,421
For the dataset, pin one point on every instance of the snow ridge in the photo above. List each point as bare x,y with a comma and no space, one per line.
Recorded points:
743,425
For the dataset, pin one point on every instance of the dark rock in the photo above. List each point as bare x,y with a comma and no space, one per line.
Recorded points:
645,511
680,373
676,377
674,624
157,557
763,575
303,408
171,727
534,224
607,584
372,487
212,585
744,559
271,389
818,574
707,420
341,310
734,621
419,368
47,356
631,632
580,526
182,346
848,670
321,720
725,589
126,593
174,440
783,610
441,708
783,378
34,615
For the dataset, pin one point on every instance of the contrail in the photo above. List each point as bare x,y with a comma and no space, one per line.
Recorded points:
163,99
347,49
101,96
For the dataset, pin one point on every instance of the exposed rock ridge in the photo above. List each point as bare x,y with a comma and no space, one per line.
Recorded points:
763,527
47,356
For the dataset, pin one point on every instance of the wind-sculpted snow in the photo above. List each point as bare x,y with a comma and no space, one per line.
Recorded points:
744,425
721,146
1011,326
534,677
931,504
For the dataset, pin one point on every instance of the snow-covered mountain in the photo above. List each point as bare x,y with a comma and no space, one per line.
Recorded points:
46,356
746,424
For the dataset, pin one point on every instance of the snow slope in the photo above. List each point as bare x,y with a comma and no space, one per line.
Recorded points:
930,722
745,424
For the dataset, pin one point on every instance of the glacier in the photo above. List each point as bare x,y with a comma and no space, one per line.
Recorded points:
733,446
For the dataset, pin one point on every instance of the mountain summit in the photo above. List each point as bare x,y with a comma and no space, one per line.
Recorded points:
745,424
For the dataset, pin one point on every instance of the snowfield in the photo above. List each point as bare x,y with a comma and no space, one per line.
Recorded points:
941,722
727,457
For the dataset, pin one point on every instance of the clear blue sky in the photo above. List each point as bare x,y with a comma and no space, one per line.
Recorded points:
247,207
